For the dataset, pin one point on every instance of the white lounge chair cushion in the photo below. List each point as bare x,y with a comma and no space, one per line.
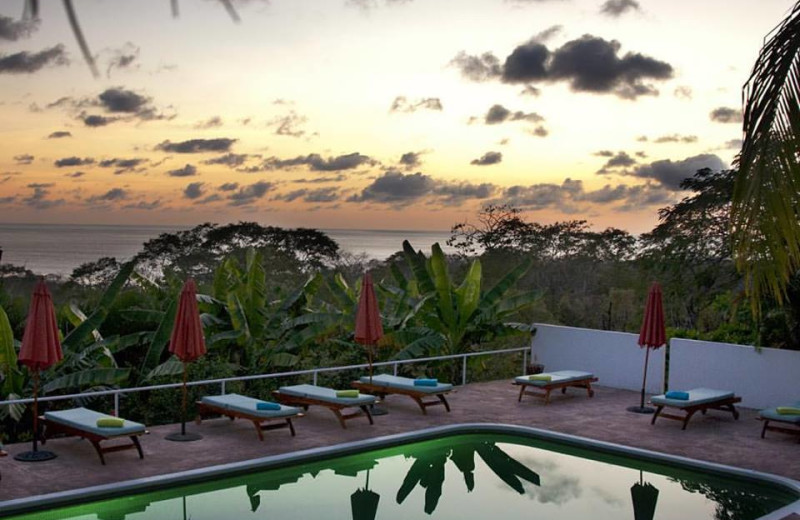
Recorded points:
322,393
773,415
247,405
697,396
561,376
406,383
86,420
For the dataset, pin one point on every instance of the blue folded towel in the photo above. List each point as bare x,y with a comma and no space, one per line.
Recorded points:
426,382
263,405
680,396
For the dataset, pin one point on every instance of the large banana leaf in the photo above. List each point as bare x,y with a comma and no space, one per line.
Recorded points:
86,378
417,341
417,262
171,367
15,411
13,380
468,294
80,334
160,338
76,317
441,280
491,298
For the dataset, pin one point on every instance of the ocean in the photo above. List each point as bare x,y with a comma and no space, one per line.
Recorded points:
58,249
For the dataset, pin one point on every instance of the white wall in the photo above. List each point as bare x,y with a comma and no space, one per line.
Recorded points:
762,379
614,357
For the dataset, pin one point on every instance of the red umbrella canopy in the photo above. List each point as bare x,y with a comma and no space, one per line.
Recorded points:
40,345
368,318
187,342
653,333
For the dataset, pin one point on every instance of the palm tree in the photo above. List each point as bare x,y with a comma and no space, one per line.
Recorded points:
764,214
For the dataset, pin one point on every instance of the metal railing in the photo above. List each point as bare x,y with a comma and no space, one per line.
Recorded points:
314,372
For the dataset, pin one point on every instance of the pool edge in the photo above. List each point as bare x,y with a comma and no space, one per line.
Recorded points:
74,496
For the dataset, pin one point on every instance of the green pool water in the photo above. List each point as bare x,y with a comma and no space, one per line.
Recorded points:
460,477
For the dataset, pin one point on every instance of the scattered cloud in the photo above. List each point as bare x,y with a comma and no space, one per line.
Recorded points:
399,190
726,115
530,90
144,205
615,162
488,158
616,8
683,92
39,198
193,190
96,121
289,124
220,144
25,158
402,104
316,162
317,196
500,114
123,165
112,195
249,194
187,171
411,160
13,30
670,174
123,58
232,160
59,135
29,62
588,64
675,138
228,186
75,175
321,180
211,122
73,161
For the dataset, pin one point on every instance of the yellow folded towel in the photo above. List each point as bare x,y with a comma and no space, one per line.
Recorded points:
788,410
540,377
347,393
110,422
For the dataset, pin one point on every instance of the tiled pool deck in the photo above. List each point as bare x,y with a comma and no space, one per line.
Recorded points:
715,437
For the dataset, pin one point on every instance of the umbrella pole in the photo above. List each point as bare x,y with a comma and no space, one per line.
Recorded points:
369,356
644,378
183,410
35,411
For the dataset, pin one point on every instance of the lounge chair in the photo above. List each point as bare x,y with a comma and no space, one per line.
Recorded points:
700,400
771,414
243,407
83,423
3,453
307,395
562,379
385,384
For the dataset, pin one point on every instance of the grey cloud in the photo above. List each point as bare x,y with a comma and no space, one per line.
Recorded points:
117,99
487,159
13,30
539,131
317,163
38,199
193,190
411,160
313,196
96,121
588,64
289,124
75,175
112,195
478,68
59,135
456,193
726,115
187,171
249,194
683,92
144,205
25,158
122,165
670,174
123,58
675,138
73,161
231,160
211,198
617,8
500,114
221,144
399,189
548,34
401,104
320,180
212,122
530,90
29,62
615,162
229,186
604,153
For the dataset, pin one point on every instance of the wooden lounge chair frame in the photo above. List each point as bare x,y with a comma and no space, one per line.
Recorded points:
336,408
782,429
418,396
3,453
206,409
52,428
544,390
725,405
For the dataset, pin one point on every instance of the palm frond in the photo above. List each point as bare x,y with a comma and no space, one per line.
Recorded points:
765,228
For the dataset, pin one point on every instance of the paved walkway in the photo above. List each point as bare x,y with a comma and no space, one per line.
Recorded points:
715,437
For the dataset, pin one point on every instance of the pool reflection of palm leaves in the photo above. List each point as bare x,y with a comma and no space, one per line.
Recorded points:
428,470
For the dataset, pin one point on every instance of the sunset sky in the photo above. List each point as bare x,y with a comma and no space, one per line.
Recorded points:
370,114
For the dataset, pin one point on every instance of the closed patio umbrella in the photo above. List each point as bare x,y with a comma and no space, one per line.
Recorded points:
187,344
369,328
652,335
40,350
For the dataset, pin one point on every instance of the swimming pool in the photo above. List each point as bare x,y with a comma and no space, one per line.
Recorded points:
455,472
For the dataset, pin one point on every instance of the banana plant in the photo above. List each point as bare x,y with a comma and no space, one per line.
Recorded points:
452,319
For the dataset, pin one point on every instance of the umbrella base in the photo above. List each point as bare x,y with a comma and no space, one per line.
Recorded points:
377,409
35,456
183,437
641,409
